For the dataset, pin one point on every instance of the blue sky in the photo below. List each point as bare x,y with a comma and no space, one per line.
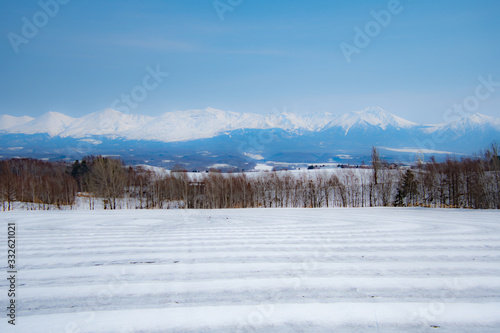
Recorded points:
264,56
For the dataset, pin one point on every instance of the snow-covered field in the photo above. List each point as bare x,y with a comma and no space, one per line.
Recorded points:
265,270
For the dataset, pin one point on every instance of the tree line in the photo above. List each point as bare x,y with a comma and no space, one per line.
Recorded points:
471,182
40,183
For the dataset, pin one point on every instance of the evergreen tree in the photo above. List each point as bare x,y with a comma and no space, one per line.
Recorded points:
407,190
75,171
78,171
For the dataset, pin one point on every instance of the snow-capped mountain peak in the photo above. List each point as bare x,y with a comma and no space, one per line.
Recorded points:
472,122
52,123
7,122
207,123
379,117
477,119
370,117
106,122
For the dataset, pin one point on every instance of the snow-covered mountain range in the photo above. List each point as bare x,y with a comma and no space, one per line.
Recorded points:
202,124
209,134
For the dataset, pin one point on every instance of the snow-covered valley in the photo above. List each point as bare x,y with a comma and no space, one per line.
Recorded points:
262,270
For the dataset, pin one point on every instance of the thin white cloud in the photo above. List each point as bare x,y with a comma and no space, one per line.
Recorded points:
253,52
158,44
162,44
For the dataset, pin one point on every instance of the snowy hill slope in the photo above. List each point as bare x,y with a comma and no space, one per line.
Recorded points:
260,270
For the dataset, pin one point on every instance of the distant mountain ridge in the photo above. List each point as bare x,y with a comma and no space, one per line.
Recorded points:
203,124
200,137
